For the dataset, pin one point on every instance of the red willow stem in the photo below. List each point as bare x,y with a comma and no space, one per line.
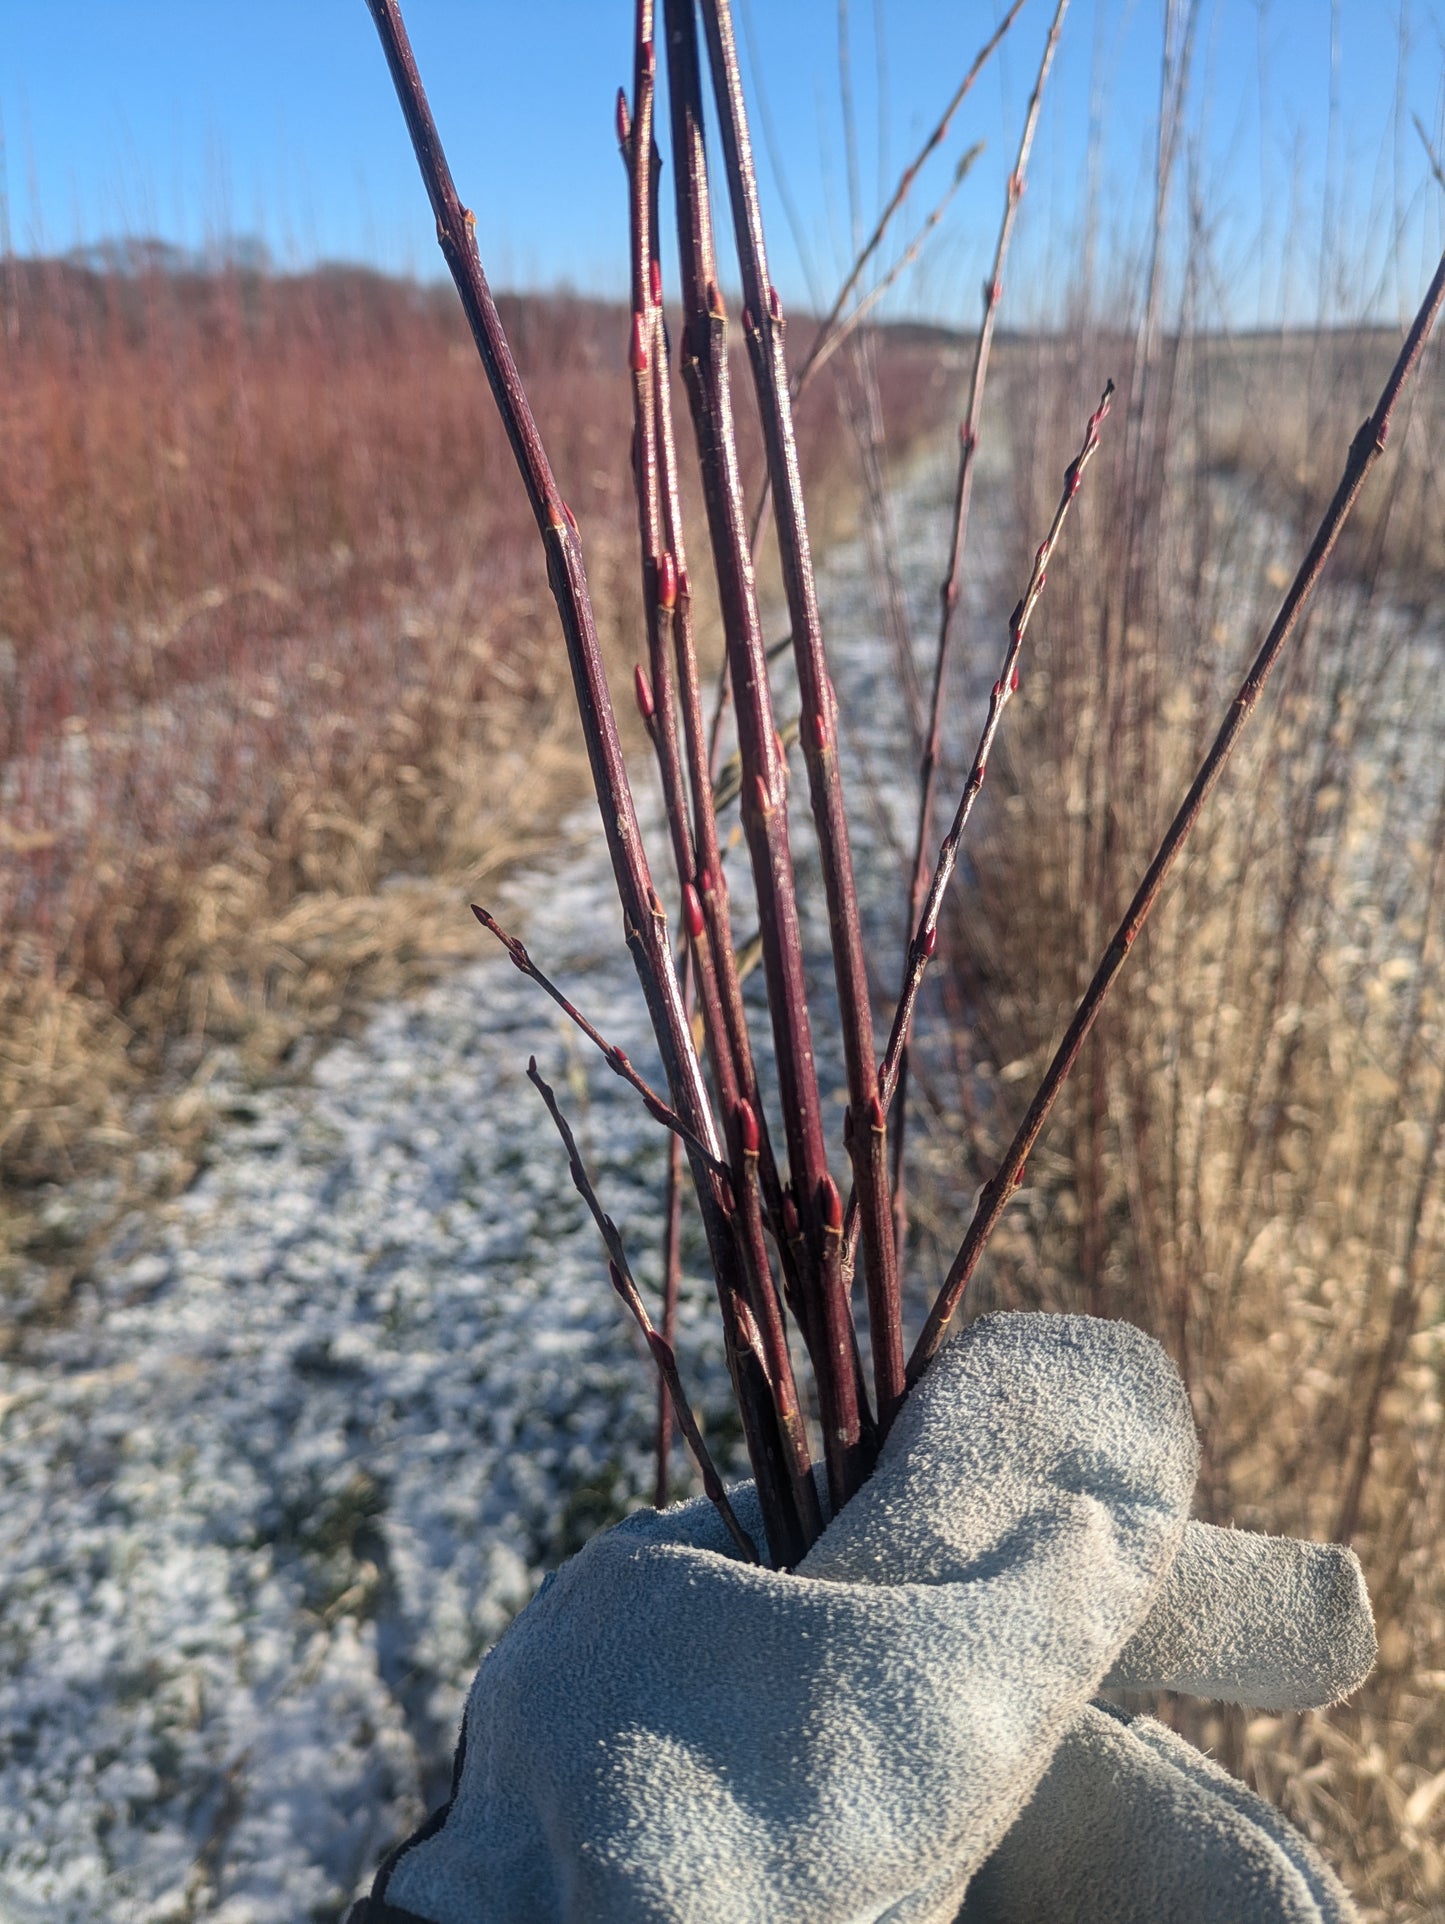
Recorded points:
949,593
925,935
724,1023
644,920
1365,450
763,326
626,1287
764,1315
671,1290
828,1324
616,1059
659,571
667,597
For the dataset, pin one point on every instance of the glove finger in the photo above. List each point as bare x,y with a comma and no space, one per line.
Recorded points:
707,1738
1265,1621
1131,1825
1021,1417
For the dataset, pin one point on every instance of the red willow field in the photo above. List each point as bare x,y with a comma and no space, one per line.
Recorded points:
273,629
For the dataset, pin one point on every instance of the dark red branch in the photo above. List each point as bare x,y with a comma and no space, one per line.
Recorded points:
622,1282
763,322
764,794
615,1058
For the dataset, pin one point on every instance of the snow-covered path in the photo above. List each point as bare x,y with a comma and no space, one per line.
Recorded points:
315,1433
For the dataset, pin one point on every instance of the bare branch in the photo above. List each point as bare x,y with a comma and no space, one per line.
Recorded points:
616,1059
763,326
623,1283
764,794
906,179
968,451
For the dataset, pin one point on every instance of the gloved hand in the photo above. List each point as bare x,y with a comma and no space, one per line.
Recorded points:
667,1733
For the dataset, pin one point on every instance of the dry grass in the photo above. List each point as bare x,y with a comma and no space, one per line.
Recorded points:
279,680
1250,1160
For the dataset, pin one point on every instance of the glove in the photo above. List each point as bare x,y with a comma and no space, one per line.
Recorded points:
1131,1823
668,1733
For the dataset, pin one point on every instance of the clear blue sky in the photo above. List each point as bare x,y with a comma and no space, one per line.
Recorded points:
191,119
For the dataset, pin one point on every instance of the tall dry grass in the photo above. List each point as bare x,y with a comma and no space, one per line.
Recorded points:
1250,1158
278,683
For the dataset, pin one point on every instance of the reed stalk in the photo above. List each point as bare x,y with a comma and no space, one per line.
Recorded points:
1365,450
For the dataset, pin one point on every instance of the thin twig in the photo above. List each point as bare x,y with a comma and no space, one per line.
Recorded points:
671,1290
823,352
906,179
1435,167
662,1351
925,935
949,594
1365,450
616,1059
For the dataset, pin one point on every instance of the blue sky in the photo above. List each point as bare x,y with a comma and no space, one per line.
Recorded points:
192,119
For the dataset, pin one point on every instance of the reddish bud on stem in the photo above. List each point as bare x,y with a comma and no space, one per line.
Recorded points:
624,122
930,942
637,347
877,1121
646,707
830,1206
654,272
692,912
748,1129
666,580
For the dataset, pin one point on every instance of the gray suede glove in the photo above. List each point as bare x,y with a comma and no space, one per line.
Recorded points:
1130,1823
668,1733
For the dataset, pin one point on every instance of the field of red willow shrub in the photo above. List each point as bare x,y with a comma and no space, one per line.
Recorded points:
273,633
